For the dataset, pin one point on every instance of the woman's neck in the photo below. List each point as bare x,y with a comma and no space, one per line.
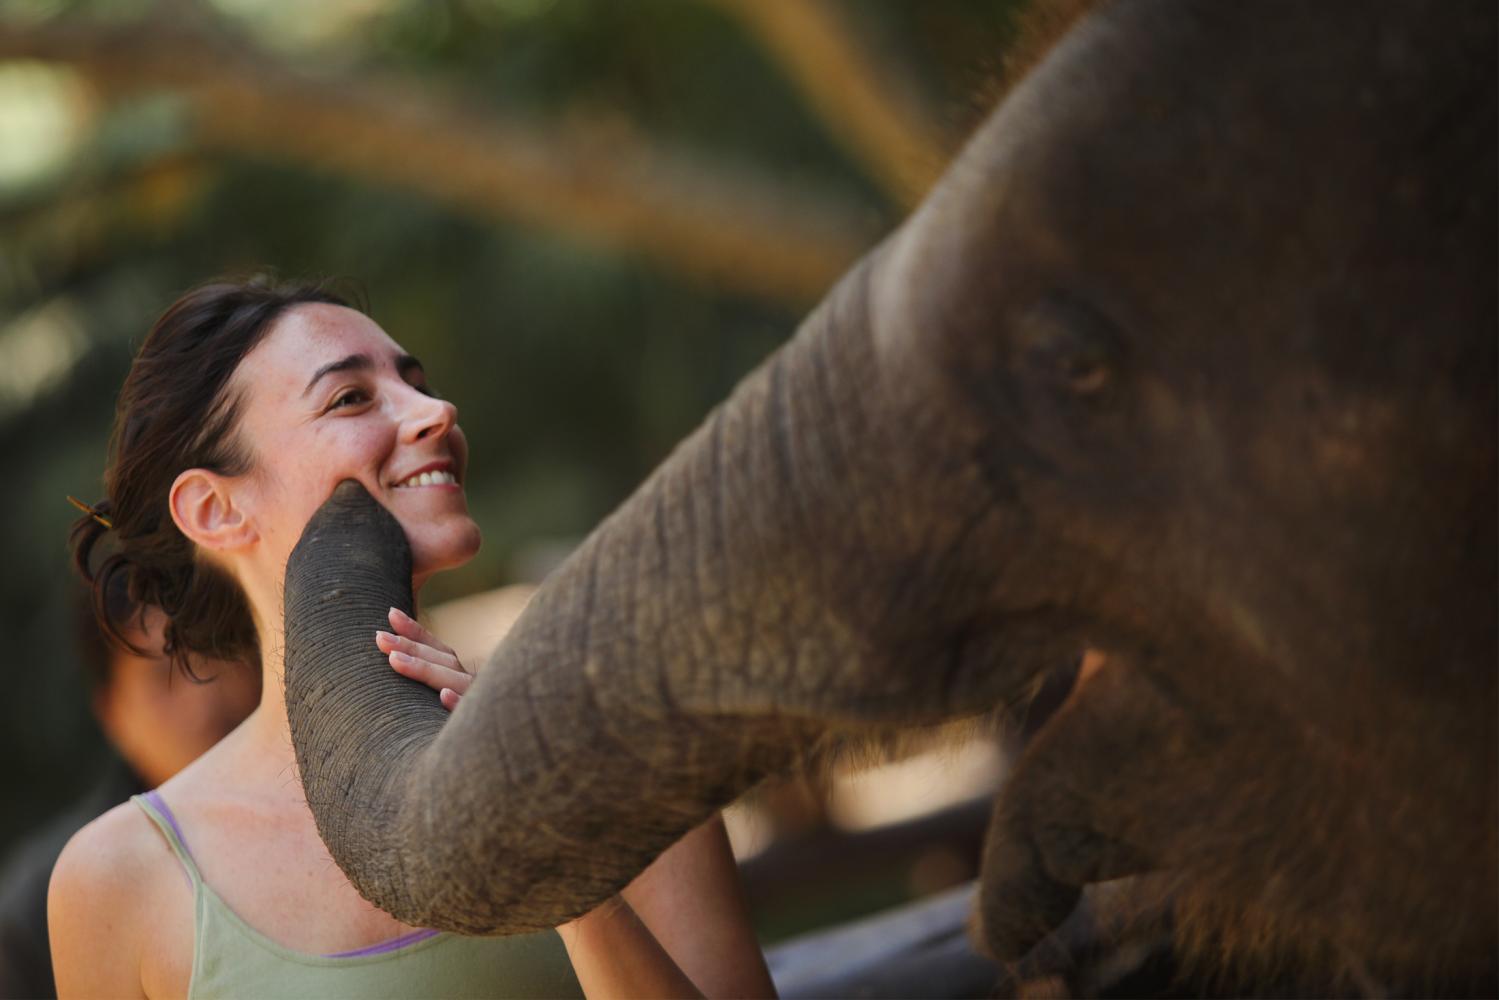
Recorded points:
273,687
265,737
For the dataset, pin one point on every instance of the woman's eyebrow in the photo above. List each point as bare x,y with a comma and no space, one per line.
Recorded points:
354,362
405,364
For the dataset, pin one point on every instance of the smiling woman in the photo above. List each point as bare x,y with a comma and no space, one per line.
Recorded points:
247,404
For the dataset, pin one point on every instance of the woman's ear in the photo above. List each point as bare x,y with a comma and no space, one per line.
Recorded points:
204,509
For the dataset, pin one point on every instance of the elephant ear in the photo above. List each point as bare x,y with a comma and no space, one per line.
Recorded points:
352,564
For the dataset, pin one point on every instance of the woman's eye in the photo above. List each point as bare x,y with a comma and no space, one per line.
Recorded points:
352,397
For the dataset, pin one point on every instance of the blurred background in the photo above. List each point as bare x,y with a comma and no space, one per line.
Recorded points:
589,218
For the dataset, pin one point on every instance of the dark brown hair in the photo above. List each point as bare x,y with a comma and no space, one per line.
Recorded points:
175,412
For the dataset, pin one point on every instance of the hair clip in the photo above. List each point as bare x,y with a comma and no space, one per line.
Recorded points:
91,512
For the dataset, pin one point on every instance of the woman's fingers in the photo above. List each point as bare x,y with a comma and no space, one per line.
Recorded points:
389,642
434,675
410,628
416,653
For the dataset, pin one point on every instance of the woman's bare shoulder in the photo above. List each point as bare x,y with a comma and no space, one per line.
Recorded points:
111,865
120,848
105,881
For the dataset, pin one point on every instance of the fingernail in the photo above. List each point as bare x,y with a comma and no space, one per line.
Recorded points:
383,635
398,611
401,658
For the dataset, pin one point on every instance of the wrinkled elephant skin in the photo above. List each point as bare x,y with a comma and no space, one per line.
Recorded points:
1189,358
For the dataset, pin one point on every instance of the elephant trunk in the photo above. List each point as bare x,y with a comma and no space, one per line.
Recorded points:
765,589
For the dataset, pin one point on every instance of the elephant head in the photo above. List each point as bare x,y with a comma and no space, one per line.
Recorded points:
1190,358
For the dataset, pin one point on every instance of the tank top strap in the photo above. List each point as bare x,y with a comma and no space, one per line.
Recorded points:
155,808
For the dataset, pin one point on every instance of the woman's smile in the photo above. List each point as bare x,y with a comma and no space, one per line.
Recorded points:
434,474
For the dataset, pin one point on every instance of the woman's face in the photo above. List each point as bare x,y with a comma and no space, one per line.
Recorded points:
328,396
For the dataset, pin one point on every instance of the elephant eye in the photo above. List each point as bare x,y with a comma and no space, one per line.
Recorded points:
1068,344
1086,374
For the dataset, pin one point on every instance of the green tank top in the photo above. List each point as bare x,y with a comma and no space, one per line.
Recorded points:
232,959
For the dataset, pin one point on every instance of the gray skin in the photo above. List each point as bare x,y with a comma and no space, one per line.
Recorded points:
1190,358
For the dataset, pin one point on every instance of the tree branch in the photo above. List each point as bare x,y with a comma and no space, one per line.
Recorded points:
877,121
737,232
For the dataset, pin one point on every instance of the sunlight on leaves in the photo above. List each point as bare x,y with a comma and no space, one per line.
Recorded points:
37,350
292,25
44,115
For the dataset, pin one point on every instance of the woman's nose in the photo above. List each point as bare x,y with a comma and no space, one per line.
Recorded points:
427,416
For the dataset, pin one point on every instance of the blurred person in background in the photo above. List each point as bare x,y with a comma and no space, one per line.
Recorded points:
156,724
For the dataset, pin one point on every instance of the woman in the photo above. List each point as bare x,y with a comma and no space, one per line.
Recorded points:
246,405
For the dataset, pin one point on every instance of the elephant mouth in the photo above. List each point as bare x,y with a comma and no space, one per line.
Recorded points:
1053,689
1056,689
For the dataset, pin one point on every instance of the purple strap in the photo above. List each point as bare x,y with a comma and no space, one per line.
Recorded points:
411,937
160,805
394,944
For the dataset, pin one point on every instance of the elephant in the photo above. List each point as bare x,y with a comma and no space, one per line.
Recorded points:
1188,358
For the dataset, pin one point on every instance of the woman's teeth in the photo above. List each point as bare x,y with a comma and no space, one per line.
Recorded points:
428,479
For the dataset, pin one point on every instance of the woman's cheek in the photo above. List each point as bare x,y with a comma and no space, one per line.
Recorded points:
351,449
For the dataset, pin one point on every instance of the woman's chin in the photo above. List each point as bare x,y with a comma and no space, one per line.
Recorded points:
436,549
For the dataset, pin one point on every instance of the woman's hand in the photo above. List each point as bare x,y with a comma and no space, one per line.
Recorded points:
416,653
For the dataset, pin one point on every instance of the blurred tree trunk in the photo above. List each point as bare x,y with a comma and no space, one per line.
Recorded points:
858,100
740,232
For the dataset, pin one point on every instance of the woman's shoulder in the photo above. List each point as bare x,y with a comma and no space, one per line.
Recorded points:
116,855
105,885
